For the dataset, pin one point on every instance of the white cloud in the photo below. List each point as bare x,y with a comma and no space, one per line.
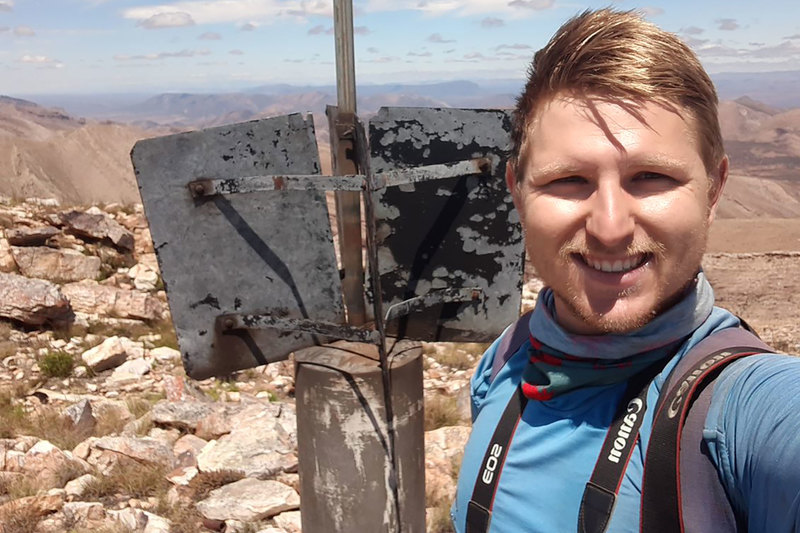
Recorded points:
319,29
727,24
515,46
692,30
6,5
651,11
492,22
241,11
236,52
210,36
438,39
460,7
249,26
173,19
162,55
536,5
35,59
24,31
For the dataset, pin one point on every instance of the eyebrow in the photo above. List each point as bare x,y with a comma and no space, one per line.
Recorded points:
659,161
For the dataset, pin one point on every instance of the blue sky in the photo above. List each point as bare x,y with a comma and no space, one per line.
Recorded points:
117,46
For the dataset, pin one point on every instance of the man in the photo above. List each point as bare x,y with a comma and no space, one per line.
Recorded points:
616,172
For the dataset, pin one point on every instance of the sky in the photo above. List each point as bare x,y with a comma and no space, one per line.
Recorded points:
137,46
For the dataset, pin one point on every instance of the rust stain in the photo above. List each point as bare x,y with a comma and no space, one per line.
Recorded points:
279,182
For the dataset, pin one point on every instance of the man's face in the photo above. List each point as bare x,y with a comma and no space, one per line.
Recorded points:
615,205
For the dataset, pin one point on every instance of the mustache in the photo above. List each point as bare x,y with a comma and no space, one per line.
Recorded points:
584,248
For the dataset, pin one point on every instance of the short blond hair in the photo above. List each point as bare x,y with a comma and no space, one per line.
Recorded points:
618,56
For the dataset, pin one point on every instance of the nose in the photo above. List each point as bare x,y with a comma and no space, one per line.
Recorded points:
610,220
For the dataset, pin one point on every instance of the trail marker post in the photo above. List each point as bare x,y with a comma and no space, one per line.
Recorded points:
240,225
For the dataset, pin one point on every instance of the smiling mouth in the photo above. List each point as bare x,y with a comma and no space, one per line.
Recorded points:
615,266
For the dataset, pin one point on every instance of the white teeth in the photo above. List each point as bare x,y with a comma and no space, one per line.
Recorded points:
617,266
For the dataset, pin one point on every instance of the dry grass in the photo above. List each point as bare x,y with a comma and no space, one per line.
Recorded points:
441,411
19,519
128,480
204,482
19,487
438,516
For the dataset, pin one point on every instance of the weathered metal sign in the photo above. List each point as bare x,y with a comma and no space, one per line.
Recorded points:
436,235
262,253
241,229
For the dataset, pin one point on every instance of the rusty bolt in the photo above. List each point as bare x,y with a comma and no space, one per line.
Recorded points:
228,323
476,294
197,189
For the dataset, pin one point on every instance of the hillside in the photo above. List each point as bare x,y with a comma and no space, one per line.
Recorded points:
46,153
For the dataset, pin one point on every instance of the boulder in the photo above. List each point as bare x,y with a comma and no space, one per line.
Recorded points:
289,521
55,265
249,500
260,446
98,226
78,486
145,277
7,263
109,354
81,417
184,415
47,465
142,449
130,370
24,236
93,298
443,450
33,302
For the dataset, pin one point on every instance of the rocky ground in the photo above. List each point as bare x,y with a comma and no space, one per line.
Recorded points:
100,430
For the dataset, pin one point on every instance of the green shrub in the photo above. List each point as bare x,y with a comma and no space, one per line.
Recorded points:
56,364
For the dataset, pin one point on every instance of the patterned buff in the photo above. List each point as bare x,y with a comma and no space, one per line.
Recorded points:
560,361
550,373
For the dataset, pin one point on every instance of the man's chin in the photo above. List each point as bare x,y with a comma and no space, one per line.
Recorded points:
620,318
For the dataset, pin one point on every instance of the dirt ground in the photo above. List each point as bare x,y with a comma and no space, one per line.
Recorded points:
754,267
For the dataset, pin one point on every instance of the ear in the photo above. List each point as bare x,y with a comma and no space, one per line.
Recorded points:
715,192
513,185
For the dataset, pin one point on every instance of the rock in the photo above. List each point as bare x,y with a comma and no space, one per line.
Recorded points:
62,266
33,302
249,500
189,444
142,449
7,263
178,389
289,521
80,414
109,354
261,447
182,415
77,486
183,475
98,226
85,514
93,298
47,465
145,277
130,370
443,450
37,506
24,236
165,354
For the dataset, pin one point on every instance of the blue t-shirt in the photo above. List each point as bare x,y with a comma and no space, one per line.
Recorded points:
751,428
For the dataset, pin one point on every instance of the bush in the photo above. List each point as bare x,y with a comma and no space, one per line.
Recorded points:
56,364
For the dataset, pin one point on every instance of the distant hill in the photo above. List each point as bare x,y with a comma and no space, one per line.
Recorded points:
46,153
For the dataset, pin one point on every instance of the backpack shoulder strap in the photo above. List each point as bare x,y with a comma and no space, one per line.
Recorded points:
513,338
691,494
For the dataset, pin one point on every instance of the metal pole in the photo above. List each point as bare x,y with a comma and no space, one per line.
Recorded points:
348,204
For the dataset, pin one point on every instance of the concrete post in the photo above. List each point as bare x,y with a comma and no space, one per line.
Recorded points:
346,477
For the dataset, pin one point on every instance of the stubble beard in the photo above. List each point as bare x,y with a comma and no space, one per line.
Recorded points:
609,323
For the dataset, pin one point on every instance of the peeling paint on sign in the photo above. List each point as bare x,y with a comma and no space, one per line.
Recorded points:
450,233
239,253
